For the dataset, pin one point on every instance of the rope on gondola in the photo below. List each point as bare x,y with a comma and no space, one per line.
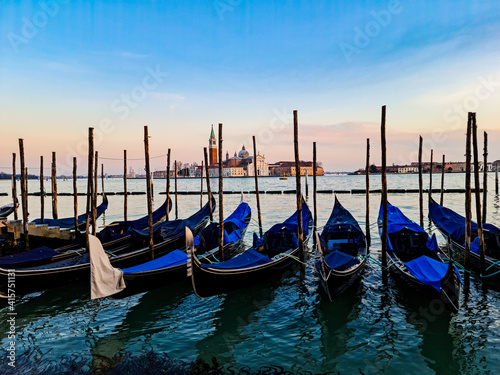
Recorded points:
492,274
458,265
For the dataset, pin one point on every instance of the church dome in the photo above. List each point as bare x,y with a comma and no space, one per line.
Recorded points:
243,153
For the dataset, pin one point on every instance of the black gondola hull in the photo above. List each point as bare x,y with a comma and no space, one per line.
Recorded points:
60,274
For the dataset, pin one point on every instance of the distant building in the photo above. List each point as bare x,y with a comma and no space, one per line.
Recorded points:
212,148
287,168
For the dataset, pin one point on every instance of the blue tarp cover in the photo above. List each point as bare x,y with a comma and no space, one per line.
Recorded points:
173,228
397,221
37,254
341,228
177,257
118,229
337,260
453,224
249,258
428,271
173,258
234,225
70,221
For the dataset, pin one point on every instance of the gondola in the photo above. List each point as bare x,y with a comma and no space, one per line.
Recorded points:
172,266
269,256
169,235
342,249
69,222
415,259
116,234
119,229
452,226
6,210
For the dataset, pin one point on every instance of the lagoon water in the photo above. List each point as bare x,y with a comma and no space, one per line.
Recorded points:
375,328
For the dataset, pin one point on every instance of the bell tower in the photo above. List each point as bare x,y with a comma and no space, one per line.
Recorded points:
212,148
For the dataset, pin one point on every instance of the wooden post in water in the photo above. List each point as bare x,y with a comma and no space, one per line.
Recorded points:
125,185
257,184
485,176
24,194
367,173
75,197
201,185
26,188
420,184
496,179
175,182
442,182
102,181
168,185
315,162
94,196
14,189
42,193
468,213
430,175
306,177
90,185
297,185
54,186
384,188
148,192
209,191
477,184
221,199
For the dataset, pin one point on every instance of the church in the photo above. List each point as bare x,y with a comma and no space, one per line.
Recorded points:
241,164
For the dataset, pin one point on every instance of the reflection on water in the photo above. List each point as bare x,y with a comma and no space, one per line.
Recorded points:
376,327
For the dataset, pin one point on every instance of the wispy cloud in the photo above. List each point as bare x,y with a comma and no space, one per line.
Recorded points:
172,99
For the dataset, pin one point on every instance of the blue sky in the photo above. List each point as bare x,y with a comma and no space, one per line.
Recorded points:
65,66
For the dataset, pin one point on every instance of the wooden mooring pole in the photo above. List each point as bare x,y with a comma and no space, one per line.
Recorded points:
90,185
297,185
54,186
367,175
102,181
221,199
94,196
148,192
485,176
420,184
430,175
24,194
442,182
42,193
384,189
306,178
175,183
75,198
125,185
468,213
315,190
209,191
477,192
256,175
201,185
14,189
168,185
496,179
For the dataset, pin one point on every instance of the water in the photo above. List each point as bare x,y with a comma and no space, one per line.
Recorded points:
375,328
